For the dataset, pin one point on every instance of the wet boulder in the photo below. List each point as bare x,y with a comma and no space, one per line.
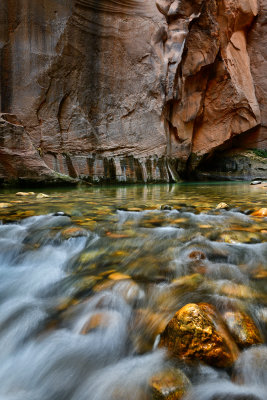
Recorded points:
170,384
197,262
73,232
222,206
25,193
197,255
117,276
256,182
170,295
196,332
238,291
5,205
98,320
124,287
42,196
262,212
242,328
103,320
166,207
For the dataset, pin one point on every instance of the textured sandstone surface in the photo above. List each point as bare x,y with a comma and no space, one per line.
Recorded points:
130,90
257,50
19,159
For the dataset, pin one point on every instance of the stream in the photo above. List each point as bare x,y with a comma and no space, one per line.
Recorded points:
91,276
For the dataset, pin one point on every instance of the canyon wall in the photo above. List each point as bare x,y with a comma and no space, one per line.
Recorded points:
127,90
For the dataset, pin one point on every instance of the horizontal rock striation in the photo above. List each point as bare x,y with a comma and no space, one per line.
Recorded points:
129,90
19,159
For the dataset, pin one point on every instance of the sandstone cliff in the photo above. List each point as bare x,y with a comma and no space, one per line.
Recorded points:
128,90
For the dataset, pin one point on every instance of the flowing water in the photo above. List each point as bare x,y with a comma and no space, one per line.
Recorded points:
89,277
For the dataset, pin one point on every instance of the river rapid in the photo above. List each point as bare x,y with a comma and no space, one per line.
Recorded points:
89,278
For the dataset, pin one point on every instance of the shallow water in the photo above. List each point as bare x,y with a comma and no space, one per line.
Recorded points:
80,310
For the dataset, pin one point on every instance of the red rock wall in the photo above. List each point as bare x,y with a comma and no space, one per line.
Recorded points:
129,90
257,50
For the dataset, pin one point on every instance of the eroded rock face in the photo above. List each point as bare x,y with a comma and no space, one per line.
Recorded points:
129,90
210,94
257,51
19,159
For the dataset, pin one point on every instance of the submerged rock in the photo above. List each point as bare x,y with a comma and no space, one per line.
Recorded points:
166,207
171,384
262,212
25,193
242,328
197,255
255,182
117,276
41,196
222,206
188,282
60,214
197,333
129,290
100,320
145,327
236,290
170,295
5,205
73,232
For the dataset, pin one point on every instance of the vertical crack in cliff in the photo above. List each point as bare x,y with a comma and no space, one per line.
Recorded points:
10,19
209,91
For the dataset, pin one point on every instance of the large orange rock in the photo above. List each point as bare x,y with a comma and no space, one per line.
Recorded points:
262,212
197,333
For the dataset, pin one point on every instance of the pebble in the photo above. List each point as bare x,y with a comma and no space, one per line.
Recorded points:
60,214
5,205
41,196
117,276
25,193
166,207
255,182
222,206
262,212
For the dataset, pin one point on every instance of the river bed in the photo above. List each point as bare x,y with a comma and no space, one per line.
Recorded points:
91,276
